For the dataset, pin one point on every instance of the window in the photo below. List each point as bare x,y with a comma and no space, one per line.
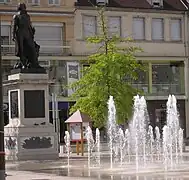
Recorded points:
85,68
5,1
49,36
168,78
34,2
138,28
101,1
157,29
5,35
114,26
89,26
54,2
175,29
73,74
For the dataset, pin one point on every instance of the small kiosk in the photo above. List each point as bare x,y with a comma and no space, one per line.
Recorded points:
77,126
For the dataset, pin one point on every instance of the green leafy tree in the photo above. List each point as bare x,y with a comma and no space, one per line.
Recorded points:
112,69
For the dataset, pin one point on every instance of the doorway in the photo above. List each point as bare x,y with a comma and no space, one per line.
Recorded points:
160,121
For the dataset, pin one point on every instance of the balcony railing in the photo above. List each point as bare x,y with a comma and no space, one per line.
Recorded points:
60,90
161,89
52,49
156,90
143,87
166,89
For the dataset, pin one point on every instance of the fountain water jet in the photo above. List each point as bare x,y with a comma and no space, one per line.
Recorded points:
127,144
111,127
151,141
173,129
158,143
140,145
67,145
165,147
121,144
98,146
138,130
90,143
181,144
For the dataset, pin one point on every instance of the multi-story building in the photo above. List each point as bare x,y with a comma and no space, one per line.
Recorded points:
160,28
54,24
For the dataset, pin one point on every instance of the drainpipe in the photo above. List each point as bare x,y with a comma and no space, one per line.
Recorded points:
186,68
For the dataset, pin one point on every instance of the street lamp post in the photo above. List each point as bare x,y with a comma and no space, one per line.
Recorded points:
2,151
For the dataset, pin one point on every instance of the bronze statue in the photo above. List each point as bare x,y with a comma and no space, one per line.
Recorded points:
23,35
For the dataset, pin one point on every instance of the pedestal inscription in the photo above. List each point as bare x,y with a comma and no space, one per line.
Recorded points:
34,103
14,104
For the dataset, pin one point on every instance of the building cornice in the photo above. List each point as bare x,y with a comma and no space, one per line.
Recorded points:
39,13
145,10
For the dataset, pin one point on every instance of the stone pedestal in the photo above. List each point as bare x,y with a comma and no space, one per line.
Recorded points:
29,135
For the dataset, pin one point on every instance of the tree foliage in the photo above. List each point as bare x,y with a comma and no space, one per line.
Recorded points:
112,69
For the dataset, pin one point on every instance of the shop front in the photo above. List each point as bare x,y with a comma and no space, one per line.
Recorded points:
157,113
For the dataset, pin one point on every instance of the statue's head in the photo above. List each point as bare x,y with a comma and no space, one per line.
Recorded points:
21,7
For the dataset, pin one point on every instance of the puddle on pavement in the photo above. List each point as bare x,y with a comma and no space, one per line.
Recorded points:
96,175
79,169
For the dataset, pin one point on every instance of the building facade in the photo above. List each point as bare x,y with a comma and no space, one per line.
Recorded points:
160,28
54,24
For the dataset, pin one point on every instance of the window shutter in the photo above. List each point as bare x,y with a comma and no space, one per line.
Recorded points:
114,26
89,26
157,29
175,29
51,1
49,36
5,30
56,1
34,2
138,28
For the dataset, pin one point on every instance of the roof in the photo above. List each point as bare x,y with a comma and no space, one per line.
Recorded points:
175,5
78,117
134,3
180,5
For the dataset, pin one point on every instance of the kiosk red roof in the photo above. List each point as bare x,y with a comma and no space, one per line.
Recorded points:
78,117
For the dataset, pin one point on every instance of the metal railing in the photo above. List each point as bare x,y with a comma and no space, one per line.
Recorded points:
143,87
161,89
165,89
47,48
60,90
157,89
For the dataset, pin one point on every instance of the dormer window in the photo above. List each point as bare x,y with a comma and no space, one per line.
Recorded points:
101,2
157,3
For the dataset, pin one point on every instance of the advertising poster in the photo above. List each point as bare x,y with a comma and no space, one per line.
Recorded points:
75,131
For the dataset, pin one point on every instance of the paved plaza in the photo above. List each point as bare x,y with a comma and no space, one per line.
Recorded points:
23,175
78,170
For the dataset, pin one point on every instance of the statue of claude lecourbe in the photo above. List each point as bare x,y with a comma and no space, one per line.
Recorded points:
23,35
